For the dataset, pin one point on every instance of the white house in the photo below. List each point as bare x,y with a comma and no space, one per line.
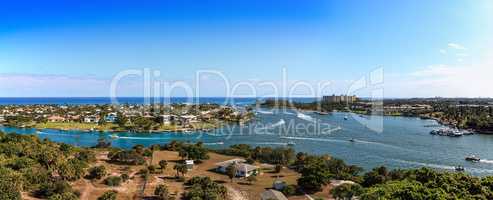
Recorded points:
167,119
187,119
242,169
91,119
189,164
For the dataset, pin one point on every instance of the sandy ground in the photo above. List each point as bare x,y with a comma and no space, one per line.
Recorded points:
239,189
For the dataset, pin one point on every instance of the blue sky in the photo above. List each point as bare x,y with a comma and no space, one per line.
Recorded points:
74,48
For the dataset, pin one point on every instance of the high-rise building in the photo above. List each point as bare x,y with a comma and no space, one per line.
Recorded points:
340,99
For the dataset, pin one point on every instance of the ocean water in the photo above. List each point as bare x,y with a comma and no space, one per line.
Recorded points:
130,100
403,142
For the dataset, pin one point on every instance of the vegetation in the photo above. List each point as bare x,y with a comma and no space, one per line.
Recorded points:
162,192
97,172
109,195
281,155
113,181
39,166
204,188
127,157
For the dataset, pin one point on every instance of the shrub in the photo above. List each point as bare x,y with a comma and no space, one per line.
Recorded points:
109,195
113,181
161,192
125,177
127,157
204,188
52,188
64,196
97,172
10,185
289,190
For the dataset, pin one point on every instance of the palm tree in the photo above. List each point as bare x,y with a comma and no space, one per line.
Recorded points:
180,168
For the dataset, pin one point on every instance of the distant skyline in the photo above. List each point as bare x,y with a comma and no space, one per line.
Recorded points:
75,48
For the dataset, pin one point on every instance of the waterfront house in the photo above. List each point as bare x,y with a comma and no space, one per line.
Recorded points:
272,195
91,119
56,118
111,117
167,119
187,119
2,118
242,169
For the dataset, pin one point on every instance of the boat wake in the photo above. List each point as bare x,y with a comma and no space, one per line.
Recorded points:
272,143
313,139
214,143
332,130
138,138
265,112
305,117
279,123
57,134
486,161
439,166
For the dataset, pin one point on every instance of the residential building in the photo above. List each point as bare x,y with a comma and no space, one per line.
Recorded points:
242,169
91,119
56,118
111,117
167,119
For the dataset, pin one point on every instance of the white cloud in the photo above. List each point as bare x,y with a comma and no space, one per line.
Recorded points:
443,51
456,46
443,80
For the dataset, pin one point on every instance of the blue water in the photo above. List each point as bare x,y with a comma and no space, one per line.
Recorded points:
129,100
404,142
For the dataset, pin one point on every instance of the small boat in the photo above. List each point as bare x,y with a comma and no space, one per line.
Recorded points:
322,113
459,168
472,158
352,140
345,117
291,143
114,136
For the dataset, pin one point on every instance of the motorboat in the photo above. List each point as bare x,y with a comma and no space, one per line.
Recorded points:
290,143
346,118
352,140
459,168
472,158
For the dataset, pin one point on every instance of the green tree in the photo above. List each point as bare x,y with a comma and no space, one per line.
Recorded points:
314,174
163,164
346,191
109,195
231,171
10,184
180,169
97,172
161,192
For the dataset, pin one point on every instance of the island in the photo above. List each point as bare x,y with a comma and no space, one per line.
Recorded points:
127,117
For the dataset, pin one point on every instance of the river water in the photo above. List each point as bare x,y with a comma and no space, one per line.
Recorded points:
396,142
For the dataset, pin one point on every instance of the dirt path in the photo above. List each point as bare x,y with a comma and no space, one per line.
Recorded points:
234,194
84,195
